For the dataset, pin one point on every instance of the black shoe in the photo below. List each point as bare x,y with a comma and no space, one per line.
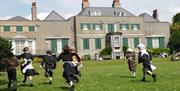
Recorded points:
143,79
154,77
9,85
71,88
14,89
24,81
77,79
79,74
50,82
31,85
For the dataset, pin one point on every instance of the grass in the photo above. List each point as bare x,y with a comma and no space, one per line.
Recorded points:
106,76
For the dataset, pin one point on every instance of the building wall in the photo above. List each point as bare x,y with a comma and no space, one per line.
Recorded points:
158,28
91,34
43,30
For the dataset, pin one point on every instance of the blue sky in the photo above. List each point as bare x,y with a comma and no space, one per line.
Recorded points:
67,8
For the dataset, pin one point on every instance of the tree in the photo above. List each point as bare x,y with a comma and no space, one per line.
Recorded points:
174,43
5,51
176,18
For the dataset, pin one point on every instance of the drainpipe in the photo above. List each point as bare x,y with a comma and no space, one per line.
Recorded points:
75,33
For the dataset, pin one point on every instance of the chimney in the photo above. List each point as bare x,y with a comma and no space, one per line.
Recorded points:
116,4
34,11
85,3
155,14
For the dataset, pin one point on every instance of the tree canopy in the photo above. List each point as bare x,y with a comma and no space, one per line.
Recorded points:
5,51
174,42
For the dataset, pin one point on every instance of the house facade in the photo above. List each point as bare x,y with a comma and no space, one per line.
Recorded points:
86,31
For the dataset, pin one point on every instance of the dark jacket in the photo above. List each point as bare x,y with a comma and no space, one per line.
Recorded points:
49,62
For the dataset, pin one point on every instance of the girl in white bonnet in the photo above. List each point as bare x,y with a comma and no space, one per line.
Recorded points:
144,57
131,57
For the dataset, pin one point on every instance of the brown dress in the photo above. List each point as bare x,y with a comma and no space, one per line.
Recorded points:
130,56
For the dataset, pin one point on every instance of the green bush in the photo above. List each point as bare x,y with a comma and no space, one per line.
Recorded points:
37,60
106,51
87,57
157,51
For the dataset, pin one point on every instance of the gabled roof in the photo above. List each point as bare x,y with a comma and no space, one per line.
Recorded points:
105,11
18,18
148,18
53,16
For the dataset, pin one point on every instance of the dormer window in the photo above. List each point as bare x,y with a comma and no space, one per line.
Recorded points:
95,13
118,13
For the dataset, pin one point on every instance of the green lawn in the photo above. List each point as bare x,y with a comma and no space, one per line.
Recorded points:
106,76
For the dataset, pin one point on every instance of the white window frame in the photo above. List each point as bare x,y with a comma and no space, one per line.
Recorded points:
95,13
155,42
85,27
124,27
135,27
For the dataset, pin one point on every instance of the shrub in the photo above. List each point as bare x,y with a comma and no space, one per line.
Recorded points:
125,49
87,57
37,60
106,51
157,51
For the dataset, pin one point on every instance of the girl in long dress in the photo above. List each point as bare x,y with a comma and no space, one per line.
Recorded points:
131,57
26,67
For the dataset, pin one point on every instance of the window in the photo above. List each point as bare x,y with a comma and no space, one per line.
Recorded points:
118,13
85,43
20,44
31,28
98,43
95,13
19,28
85,26
6,28
116,39
97,26
110,28
64,42
135,26
155,42
124,26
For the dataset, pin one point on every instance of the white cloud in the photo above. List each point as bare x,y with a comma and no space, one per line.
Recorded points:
40,16
5,17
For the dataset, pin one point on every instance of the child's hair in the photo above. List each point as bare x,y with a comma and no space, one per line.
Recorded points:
49,52
66,48
25,49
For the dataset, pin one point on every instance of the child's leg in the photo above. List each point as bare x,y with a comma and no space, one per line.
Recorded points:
50,76
9,78
25,77
30,80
